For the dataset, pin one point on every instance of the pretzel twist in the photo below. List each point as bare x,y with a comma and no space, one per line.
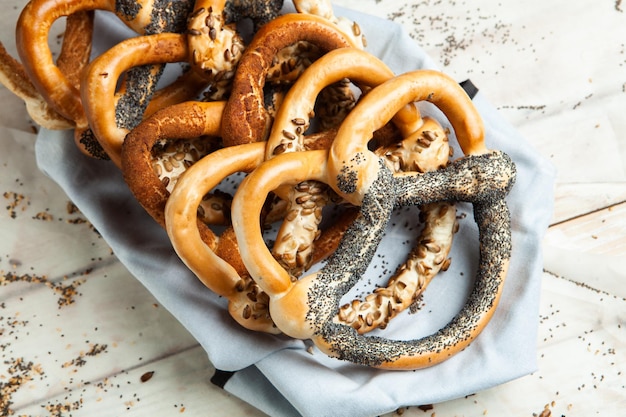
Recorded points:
306,308
216,260
202,251
245,118
297,235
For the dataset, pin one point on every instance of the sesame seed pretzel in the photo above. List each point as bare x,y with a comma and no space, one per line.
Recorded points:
215,46
33,27
246,119
324,8
185,132
298,232
188,124
305,309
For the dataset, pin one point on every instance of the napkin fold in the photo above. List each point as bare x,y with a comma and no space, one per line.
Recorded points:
285,377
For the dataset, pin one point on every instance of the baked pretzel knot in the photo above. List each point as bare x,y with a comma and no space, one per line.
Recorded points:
306,308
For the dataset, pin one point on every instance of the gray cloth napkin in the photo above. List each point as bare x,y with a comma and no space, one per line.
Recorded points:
283,377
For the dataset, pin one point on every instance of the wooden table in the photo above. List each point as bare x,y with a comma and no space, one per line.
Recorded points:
80,336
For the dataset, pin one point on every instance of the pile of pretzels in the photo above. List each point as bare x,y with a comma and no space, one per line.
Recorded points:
330,140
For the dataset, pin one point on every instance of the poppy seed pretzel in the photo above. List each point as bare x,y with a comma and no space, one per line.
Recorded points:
246,119
306,309
108,111
33,27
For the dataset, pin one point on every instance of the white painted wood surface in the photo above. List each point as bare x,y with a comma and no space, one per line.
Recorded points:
79,336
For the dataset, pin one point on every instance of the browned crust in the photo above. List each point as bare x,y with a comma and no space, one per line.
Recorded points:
182,121
245,118
32,31
76,46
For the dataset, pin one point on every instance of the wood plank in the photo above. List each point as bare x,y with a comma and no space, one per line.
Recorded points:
175,385
580,361
600,232
576,199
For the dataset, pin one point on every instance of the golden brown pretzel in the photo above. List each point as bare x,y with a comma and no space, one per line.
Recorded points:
431,86
324,8
245,118
184,122
306,308
202,251
13,77
295,240
215,260
33,27
109,112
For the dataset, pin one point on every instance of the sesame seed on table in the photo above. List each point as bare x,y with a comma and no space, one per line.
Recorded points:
80,336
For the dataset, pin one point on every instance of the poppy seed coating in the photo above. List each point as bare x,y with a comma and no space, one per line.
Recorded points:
484,180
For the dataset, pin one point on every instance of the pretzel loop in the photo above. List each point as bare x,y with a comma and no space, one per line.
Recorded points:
353,168
492,217
110,116
246,119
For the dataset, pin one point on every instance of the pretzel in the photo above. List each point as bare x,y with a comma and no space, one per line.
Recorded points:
112,111
32,32
163,146
425,150
73,57
13,77
296,236
199,248
306,308
336,100
215,260
324,8
245,118
188,123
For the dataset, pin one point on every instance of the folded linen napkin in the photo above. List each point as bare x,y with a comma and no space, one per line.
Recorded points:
284,377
